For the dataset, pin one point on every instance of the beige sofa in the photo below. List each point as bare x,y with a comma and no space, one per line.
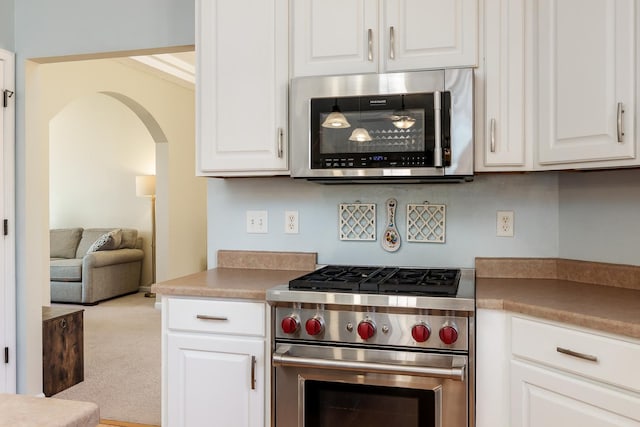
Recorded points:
84,270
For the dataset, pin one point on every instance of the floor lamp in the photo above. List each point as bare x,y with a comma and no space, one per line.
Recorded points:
146,187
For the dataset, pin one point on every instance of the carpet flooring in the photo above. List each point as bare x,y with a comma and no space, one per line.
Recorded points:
122,351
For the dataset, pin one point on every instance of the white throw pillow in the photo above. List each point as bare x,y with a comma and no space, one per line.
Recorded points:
107,241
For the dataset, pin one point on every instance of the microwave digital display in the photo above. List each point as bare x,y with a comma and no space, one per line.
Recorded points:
377,132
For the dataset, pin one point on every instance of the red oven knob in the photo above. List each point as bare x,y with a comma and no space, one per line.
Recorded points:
366,329
314,326
290,325
448,334
420,332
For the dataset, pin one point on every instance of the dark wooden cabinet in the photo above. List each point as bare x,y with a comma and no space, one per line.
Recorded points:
62,348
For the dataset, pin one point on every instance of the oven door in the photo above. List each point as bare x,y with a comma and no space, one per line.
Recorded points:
318,386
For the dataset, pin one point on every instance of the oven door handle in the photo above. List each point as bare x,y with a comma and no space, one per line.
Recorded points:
455,373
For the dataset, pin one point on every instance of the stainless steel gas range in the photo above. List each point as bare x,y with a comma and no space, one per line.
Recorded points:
374,346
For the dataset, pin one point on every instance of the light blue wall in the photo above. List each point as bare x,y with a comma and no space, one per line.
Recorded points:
45,28
600,216
6,25
471,218
51,28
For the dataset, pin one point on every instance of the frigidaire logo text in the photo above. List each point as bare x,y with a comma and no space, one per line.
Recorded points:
377,102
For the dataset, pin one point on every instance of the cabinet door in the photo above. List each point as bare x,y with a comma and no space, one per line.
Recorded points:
545,398
502,142
585,75
492,375
214,381
420,34
241,88
334,37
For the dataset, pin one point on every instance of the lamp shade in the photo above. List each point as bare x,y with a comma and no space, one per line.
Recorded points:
360,135
336,120
145,185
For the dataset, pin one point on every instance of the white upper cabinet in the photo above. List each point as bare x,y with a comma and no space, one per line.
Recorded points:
242,80
585,82
419,34
502,141
334,36
366,36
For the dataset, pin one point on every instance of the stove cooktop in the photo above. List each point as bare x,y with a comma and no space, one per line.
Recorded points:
380,280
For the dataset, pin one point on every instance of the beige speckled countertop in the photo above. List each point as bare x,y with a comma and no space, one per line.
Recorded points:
243,283
241,274
598,296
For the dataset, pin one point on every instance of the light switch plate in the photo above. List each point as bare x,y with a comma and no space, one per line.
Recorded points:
257,222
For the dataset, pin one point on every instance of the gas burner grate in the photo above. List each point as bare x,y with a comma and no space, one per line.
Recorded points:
431,282
383,280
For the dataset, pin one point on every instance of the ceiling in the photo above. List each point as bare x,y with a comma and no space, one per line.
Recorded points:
178,67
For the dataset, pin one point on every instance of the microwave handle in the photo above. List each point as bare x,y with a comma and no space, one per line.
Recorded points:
437,110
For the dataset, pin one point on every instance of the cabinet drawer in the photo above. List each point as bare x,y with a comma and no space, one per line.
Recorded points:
226,317
613,361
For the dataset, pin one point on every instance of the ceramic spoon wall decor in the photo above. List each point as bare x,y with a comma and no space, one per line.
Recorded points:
391,237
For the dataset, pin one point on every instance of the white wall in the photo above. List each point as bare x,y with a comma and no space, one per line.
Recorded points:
600,216
471,218
47,29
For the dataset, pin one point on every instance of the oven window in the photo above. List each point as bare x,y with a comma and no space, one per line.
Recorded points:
334,404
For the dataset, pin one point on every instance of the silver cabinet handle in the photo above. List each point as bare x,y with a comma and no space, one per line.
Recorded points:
370,43
620,122
576,354
493,135
437,149
392,43
280,142
253,372
206,317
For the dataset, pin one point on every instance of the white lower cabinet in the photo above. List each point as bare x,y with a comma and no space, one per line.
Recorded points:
492,376
543,397
535,373
214,363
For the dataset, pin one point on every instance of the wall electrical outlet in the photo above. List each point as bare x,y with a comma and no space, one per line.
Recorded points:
257,221
291,222
504,224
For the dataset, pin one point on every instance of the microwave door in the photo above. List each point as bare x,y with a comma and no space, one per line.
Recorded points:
377,132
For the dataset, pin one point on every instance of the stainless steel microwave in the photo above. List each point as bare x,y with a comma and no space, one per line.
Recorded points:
410,127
